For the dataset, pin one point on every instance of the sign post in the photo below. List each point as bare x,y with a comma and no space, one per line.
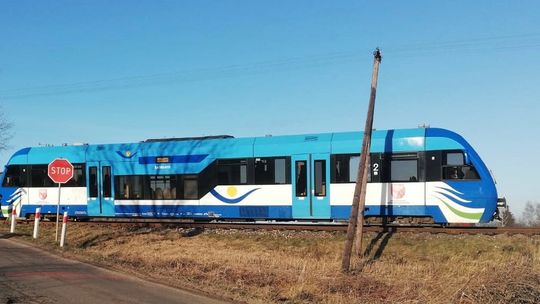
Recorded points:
64,225
37,218
60,171
13,219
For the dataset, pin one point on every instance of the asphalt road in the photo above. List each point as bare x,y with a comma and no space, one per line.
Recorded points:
30,275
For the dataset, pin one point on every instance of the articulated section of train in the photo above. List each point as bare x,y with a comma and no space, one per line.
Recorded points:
424,175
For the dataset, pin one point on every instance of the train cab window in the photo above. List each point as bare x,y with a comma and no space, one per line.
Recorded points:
454,167
16,176
232,171
404,170
460,173
455,159
470,173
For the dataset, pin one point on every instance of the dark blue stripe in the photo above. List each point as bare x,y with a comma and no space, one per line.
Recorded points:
231,211
73,210
176,159
251,212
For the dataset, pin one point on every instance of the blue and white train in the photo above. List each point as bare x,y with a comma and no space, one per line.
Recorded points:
425,174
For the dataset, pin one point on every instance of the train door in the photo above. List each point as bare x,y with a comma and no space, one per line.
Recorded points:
100,189
311,184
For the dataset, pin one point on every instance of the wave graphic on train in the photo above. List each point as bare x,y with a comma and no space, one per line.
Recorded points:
232,193
455,202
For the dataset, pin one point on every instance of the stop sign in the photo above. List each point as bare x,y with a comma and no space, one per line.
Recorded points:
60,170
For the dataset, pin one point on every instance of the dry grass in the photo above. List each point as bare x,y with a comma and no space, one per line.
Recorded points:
303,267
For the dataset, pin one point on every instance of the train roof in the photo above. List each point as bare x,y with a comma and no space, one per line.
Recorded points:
398,140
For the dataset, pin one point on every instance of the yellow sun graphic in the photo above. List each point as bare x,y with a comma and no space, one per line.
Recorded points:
232,191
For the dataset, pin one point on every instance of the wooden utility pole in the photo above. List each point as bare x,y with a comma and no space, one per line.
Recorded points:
362,206
361,178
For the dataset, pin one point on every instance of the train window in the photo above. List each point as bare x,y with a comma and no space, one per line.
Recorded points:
78,179
455,168
301,178
460,173
106,178
162,187
470,173
39,177
455,159
93,187
345,168
340,169
129,187
354,161
232,171
264,171
353,169
271,170
280,171
404,170
16,176
191,188
320,178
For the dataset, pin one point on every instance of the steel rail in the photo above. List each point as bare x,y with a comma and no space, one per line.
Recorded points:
305,226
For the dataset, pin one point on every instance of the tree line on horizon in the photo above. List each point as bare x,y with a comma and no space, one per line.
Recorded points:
529,218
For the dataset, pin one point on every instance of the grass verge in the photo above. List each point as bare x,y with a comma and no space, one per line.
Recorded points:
303,267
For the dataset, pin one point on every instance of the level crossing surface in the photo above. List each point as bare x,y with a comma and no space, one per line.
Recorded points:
30,275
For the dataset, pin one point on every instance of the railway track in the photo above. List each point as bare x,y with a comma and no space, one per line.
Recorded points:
305,226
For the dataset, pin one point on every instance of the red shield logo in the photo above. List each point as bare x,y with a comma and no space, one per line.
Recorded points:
398,191
42,194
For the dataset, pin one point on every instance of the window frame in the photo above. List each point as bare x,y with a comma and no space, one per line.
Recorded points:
390,158
257,179
23,179
231,162
346,157
445,167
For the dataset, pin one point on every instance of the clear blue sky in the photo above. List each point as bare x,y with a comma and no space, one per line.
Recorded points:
122,71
